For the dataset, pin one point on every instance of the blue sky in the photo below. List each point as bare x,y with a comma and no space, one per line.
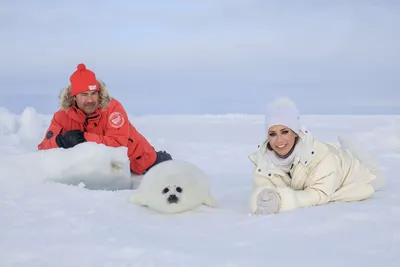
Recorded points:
209,56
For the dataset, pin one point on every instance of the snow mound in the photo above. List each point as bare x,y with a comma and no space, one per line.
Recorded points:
30,129
90,165
8,122
94,166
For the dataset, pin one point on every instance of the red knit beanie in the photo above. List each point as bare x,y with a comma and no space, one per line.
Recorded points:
83,80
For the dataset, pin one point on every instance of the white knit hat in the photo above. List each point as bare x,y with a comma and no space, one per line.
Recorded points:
283,111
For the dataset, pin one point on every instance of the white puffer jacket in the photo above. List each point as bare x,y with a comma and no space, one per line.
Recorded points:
322,172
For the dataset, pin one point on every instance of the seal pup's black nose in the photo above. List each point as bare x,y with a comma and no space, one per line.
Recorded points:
172,199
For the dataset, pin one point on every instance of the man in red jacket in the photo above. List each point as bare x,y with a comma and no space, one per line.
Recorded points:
89,114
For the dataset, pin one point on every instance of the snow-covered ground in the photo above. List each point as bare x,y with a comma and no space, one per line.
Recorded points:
45,223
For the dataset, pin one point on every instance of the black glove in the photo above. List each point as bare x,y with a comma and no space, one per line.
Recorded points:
163,156
70,139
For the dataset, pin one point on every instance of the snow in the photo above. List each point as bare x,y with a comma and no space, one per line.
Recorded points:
49,217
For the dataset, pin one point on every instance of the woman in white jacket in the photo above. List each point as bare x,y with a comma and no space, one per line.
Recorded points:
293,170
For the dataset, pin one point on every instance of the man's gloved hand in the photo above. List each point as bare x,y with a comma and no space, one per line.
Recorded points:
268,201
163,156
70,139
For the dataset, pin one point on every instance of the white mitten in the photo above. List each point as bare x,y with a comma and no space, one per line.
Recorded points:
268,201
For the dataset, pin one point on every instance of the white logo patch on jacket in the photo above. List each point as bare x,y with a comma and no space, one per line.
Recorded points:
116,119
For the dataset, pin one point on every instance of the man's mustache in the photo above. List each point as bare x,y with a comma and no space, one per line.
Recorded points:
90,104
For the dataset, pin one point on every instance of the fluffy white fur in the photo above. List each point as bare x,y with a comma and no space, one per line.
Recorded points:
176,179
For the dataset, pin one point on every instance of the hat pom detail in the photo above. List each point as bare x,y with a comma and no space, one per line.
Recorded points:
81,67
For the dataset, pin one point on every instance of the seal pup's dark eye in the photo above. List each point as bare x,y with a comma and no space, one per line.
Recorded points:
179,189
165,190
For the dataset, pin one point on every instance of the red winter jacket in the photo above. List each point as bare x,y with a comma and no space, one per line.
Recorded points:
109,125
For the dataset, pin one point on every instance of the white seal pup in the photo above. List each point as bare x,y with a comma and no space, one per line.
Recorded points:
174,186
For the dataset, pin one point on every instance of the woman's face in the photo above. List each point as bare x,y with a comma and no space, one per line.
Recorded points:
281,139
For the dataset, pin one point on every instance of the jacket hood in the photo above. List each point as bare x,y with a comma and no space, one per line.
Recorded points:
67,101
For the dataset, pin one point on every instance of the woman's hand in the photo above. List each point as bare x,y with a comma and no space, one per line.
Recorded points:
268,201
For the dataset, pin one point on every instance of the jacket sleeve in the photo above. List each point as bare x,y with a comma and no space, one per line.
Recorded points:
116,132
323,182
49,140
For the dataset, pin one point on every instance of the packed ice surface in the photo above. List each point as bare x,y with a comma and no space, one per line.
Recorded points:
54,211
